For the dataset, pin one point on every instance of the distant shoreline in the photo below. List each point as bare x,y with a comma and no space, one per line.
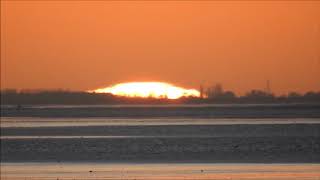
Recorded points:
13,97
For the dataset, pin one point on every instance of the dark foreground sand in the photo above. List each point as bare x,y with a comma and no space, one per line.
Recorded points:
281,143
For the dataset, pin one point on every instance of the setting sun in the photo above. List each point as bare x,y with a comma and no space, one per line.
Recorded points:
149,89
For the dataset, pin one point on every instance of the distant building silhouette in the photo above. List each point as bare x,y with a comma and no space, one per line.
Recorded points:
215,91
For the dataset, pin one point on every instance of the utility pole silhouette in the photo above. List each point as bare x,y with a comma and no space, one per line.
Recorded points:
201,91
268,89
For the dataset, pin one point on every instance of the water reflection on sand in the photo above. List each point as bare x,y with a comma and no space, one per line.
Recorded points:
173,171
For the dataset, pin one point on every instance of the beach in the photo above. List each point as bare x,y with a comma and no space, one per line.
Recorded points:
156,171
162,147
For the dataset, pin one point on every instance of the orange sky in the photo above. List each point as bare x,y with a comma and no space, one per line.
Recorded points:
80,45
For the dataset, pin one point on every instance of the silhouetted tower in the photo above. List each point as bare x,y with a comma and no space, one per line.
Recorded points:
268,89
201,92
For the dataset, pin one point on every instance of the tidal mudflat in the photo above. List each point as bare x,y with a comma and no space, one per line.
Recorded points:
172,171
166,147
211,143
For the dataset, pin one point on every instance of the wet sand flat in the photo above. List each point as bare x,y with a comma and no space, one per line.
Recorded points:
240,143
181,130
157,149
136,171
160,149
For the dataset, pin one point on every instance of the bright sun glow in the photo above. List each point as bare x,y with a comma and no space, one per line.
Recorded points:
148,89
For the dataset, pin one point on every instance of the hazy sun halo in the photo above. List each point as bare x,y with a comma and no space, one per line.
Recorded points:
149,89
